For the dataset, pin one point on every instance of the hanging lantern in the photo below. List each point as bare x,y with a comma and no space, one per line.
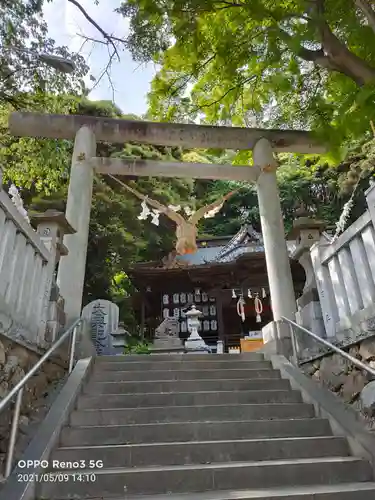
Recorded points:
264,295
249,294
258,308
234,296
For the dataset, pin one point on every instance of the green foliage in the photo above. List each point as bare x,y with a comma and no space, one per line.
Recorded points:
25,81
260,62
117,239
287,63
311,182
136,347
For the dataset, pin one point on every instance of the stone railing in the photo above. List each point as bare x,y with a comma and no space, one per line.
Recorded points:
344,271
28,259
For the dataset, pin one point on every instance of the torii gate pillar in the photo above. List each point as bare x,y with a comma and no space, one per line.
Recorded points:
277,259
72,267
88,129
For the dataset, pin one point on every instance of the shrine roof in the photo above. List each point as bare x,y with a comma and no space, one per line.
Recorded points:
204,255
246,243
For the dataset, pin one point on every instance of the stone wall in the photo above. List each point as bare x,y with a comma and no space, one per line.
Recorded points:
355,386
15,361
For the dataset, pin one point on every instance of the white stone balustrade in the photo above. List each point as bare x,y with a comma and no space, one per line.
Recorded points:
345,273
27,266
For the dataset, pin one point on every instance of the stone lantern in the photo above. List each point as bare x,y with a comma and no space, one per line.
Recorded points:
51,227
195,341
305,232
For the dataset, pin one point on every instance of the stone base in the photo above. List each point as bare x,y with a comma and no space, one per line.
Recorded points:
168,343
197,345
277,339
171,350
310,317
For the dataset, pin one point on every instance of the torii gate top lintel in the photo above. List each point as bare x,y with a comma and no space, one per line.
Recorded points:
162,134
88,130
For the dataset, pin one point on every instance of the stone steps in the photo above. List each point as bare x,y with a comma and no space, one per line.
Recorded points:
203,452
211,374
176,386
170,365
168,414
352,491
249,357
192,431
201,427
205,477
187,399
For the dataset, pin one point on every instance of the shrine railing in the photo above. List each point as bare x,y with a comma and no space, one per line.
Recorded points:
26,275
345,273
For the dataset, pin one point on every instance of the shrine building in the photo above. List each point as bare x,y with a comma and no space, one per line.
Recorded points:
222,271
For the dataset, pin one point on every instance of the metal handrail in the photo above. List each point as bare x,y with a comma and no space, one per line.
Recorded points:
344,354
18,389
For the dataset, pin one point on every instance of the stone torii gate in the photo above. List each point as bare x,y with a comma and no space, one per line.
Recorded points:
88,130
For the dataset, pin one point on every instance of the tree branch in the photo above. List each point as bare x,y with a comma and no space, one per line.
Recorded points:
109,38
368,12
334,55
339,55
231,89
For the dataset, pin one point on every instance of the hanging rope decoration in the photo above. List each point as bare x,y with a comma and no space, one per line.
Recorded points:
258,308
258,305
241,308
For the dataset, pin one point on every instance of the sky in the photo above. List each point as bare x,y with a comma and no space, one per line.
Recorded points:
130,80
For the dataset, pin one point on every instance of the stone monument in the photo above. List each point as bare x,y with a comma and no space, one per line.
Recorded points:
102,317
166,335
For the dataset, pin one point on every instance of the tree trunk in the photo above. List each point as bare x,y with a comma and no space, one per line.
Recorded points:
335,55
342,59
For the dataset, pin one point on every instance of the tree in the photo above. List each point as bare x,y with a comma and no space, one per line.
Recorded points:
24,80
117,239
322,189
291,63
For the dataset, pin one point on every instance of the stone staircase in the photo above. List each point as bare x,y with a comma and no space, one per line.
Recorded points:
201,427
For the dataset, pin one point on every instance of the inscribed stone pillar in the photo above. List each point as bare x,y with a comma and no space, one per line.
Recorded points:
103,317
71,273
276,253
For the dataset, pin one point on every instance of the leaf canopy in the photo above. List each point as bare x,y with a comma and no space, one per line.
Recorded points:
272,63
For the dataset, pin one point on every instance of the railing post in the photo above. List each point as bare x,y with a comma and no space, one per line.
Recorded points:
294,345
13,433
370,199
325,289
72,348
